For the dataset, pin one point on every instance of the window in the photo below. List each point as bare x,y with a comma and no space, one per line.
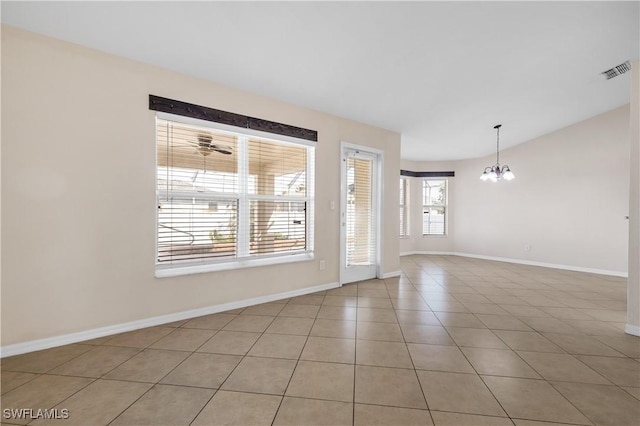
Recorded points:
404,207
226,198
434,207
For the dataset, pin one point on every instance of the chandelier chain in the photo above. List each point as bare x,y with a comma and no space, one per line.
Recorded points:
498,146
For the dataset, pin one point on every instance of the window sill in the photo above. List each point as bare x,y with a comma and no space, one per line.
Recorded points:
435,236
176,271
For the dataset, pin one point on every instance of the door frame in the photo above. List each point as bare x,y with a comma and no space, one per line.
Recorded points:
377,205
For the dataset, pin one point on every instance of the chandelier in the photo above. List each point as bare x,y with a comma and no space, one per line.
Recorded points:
495,173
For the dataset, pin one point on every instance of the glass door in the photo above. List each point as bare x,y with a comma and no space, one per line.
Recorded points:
359,216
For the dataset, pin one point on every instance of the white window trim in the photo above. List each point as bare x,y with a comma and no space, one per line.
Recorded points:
445,206
407,208
198,266
164,271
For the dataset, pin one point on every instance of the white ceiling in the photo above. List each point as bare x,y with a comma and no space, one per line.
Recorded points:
441,73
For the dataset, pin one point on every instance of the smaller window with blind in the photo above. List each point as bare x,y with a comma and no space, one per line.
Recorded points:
434,207
404,207
229,197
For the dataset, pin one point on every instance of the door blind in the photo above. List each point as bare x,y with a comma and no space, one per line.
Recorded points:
360,218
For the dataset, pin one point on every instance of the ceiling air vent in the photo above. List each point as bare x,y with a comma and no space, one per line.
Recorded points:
617,70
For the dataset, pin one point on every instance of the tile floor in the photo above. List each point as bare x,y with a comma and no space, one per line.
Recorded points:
454,341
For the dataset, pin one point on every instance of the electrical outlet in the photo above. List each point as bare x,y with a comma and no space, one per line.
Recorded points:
321,265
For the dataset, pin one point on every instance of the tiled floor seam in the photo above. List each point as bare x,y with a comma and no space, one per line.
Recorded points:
406,345
483,382
284,393
132,403
545,380
229,375
17,387
355,358
580,411
204,406
79,390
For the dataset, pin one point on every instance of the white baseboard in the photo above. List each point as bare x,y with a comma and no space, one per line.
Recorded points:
438,253
527,262
632,329
65,339
392,274
546,265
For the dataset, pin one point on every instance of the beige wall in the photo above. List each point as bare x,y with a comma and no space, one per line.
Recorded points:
633,286
78,191
568,201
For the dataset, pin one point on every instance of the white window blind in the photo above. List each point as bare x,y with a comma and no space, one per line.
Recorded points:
404,207
277,195
434,207
225,196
